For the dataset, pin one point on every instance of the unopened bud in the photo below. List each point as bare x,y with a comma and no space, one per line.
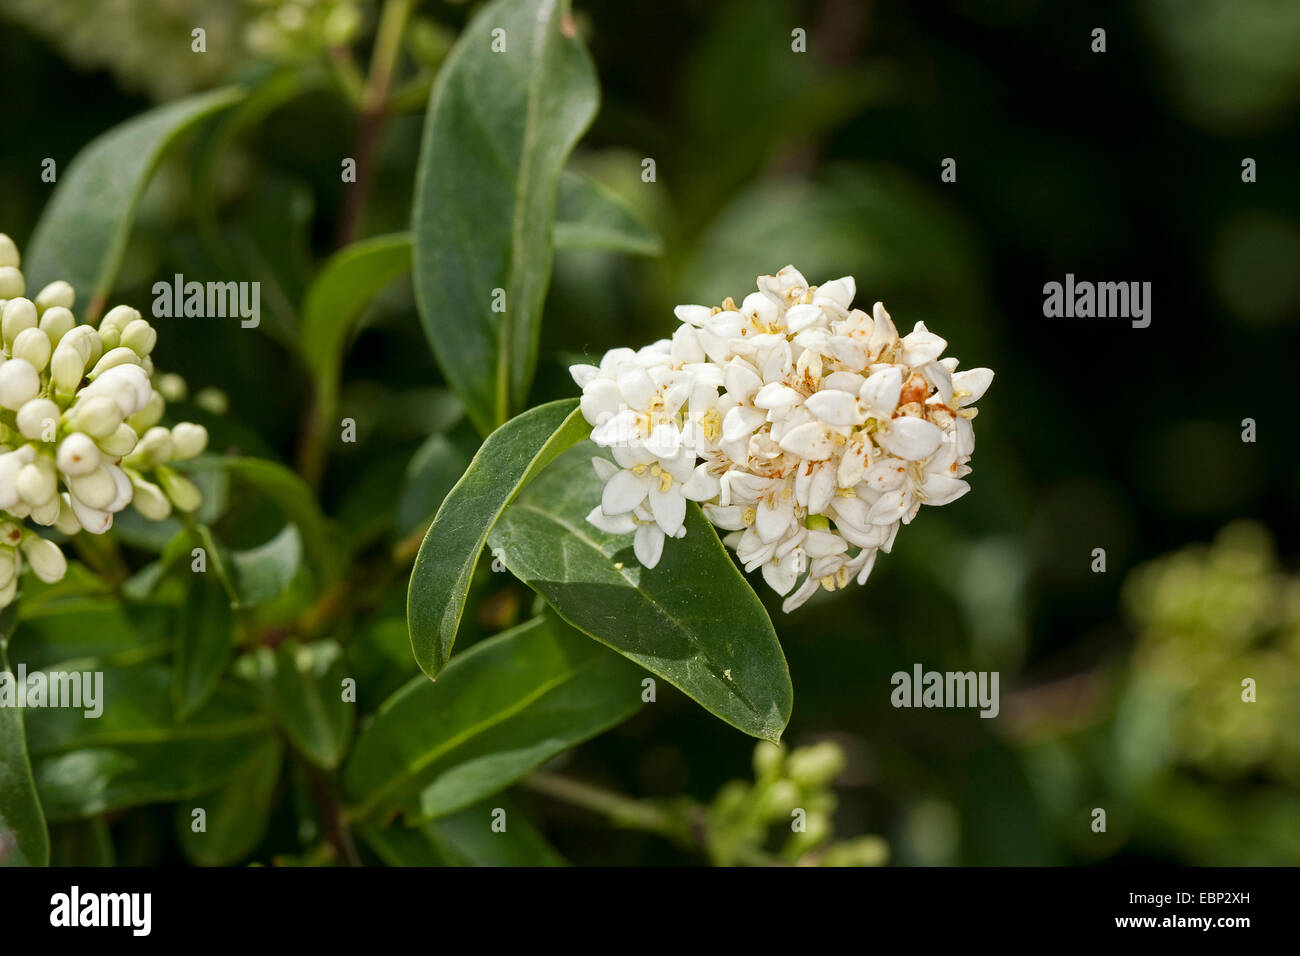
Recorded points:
12,283
58,293
36,417
188,440
46,559
139,337
96,415
34,346
121,442
19,383
149,499
183,492
9,256
77,455
18,314
56,322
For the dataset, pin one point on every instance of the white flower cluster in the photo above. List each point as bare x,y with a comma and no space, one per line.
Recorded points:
78,425
808,430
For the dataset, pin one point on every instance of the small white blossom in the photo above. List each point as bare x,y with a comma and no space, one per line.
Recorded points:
806,429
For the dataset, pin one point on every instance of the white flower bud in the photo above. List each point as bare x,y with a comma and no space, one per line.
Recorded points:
37,482
8,593
90,519
112,359
139,337
38,418
47,561
11,534
154,448
68,365
95,489
122,483
121,442
48,513
58,293
67,522
188,440
19,383
34,346
19,314
77,455
118,317
10,465
9,256
149,499
183,492
56,322
150,415
12,283
96,415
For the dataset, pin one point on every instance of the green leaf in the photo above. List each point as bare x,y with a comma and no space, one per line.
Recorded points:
465,839
433,471
137,751
500,709
24,839
265,572
302,686
345,286
693,619
291,493
235,815
507,460
82,234
589,216
498,129
204,643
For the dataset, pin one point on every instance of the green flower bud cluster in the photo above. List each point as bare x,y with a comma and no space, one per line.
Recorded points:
297,29
792,791
80,432
1219,625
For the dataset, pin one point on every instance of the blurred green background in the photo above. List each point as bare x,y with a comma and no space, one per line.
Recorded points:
1120,690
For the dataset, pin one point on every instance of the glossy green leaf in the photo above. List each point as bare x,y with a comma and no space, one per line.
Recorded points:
82,234
507,460
235,816
500,709
24,839
498,129
204,643
137,751
302,686
340,293
693,619
589,216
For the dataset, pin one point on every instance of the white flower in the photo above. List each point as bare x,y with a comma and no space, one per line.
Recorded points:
72,455
806,429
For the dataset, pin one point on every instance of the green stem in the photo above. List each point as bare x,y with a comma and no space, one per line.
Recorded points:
374,110
621,810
